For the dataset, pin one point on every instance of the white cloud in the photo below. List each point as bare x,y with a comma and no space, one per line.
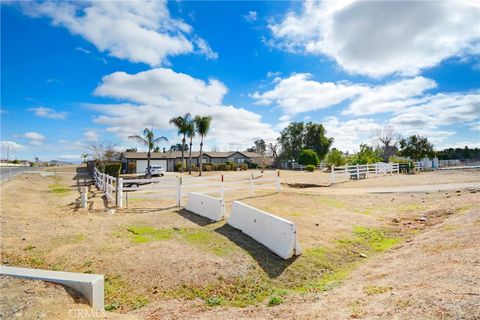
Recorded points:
11,145
348,135
297,94
139,31
69,157
378,38
49,113
157,95
90,135
250,16
34,137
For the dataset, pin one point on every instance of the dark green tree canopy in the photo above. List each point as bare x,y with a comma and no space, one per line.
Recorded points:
298,136
259,146
308,157
366,155
416,147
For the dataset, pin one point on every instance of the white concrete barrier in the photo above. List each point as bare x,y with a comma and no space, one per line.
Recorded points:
89,285
206,206
275,233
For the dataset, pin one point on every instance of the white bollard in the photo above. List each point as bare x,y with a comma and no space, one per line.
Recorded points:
333,174
120,192
179,192
358,173
84,197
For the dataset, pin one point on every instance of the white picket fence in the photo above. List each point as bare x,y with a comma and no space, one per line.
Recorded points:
419,165
179,187
362,171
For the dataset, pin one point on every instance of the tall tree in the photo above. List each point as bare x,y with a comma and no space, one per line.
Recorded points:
202,124
316,140
386,139
148,139
259,146
178,147
416,147
190,135
298,136
274,152
181,122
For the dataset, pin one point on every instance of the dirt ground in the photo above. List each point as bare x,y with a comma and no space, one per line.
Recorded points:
421,251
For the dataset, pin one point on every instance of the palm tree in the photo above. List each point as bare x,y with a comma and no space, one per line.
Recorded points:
148,139
202,123
190,134
182,125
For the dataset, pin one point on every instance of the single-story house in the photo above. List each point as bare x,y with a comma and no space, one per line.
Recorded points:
136,162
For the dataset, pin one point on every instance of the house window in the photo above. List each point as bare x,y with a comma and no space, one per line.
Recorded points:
241,160
231,160
204,160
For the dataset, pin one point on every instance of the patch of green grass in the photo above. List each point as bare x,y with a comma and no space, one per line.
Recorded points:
203,238
376,239
214,301
373,289
59,189
144,234
119,295
275,300
367,211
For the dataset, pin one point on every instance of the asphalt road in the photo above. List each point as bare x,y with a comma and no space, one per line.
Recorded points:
6,173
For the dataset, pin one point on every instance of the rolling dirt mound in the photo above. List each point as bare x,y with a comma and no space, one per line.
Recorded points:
435,275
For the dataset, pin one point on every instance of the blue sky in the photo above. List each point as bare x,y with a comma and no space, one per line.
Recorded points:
79,72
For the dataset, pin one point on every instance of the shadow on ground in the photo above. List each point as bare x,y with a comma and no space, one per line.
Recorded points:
270,263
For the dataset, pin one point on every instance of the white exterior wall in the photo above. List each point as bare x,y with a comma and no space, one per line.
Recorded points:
277,234
206,206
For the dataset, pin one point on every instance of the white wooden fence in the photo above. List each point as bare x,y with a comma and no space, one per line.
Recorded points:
179,187
362,171
419,165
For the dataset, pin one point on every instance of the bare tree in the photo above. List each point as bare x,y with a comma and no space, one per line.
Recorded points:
103,153
273,151
387,140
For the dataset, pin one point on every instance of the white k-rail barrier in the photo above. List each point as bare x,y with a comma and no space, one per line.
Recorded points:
362,171
91,286
275,233
206,206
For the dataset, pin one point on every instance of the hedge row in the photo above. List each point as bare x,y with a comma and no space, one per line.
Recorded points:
230,166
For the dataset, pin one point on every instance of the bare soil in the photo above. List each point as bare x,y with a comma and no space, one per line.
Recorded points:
162,262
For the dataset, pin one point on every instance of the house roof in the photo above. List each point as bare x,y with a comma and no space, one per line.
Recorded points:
178,154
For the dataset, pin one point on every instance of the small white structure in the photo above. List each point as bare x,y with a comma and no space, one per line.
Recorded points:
275,233
206,206
91,286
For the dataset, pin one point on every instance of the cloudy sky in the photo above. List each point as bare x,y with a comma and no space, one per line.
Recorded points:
77,72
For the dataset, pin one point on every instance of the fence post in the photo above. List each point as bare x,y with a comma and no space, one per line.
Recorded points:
179,191
252,190
104,179
277,181
358,172
84,197
333,174
398,168
346,171
119,192
376,169
222,192
367,173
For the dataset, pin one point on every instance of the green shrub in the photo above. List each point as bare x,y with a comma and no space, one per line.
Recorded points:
207,167
224,167
234,166
194,167
335,158
179,167
215,167
310,168
274,300
243,166
308,156
214,301
113,169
